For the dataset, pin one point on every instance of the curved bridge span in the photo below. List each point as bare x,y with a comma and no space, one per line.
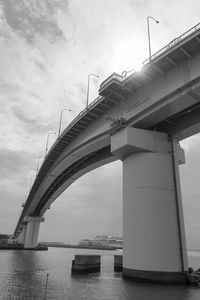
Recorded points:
144,113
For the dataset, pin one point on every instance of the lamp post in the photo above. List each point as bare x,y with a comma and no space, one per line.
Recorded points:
61,112
88,87
48,135
149,39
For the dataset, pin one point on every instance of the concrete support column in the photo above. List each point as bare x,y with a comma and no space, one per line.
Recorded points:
153,225
32,232
22,235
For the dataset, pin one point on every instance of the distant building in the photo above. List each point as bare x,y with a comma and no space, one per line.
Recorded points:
7,239
103,241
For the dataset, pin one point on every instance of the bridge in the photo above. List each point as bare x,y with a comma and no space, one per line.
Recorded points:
140,119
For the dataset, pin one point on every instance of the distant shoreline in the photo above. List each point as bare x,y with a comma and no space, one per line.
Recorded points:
21,247
44,246
11,246
79,247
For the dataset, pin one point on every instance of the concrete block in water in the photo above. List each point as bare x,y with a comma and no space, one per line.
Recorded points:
118,263
86,263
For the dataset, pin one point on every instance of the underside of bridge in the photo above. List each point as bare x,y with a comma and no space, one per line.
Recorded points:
181,122
79,165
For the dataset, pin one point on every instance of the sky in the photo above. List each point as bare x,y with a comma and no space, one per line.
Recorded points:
47,50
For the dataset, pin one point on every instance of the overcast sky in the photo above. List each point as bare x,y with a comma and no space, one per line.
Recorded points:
47,50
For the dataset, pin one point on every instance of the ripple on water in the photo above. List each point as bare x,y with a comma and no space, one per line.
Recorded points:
23,276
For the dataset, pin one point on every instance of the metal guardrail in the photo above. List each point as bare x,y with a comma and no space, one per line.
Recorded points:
77,118
121,78
81,114
166,48
172,44
113,76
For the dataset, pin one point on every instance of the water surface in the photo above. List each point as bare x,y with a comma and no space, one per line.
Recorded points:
23,276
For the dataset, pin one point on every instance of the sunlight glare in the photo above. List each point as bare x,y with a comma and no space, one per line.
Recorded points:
129,56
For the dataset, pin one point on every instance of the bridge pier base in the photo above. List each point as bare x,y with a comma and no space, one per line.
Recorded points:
153,225
21,237
32,232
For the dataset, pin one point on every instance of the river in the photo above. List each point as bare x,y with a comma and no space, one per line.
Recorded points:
23,275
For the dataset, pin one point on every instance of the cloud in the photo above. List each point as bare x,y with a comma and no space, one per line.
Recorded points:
32,123
14,160
13,185
33,18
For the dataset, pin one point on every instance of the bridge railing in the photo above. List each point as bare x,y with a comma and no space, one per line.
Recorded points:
81,114
166,48
77,118
163,50
123,77
113,76
172,44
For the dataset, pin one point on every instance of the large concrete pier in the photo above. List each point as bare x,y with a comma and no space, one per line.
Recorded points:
153,228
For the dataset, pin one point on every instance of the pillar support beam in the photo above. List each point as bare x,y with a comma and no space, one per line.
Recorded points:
153,224
32,231
22,235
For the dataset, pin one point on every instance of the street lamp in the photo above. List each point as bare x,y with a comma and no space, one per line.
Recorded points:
48,135
61,119
149,40
88,86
